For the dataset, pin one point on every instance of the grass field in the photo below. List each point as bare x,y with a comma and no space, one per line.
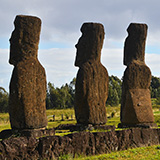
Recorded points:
145,153
4,121
69,117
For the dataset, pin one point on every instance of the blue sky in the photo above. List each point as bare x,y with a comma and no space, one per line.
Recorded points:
61,22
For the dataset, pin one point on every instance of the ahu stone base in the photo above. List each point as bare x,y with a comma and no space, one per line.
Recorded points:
139,125
26,132
85,143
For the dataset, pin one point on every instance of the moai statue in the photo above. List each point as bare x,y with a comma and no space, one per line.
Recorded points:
92,77
27,95
136,108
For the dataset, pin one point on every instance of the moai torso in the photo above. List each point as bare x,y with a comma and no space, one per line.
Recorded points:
27,107
136,105
92,77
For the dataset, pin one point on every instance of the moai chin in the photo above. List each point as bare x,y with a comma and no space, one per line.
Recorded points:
92,77
27,95
136,108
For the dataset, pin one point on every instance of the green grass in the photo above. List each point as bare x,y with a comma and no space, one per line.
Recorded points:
113,121
146,153
143,153
58,119
59,112
4,121
4,117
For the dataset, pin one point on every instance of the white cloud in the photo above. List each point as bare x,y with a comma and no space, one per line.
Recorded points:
6,69
59,65
61,22
61,19
60,69
112,59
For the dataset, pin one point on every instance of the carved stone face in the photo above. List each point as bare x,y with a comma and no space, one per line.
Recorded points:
15,46
128,54
83,51
134,48
25,38
90,43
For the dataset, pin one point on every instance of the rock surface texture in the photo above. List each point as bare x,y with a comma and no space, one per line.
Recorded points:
136,105
92,77
27,95
82,143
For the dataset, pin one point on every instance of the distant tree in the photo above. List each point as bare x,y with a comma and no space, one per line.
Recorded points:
3,100
53,97
65,96
114,91
113,99
155,87
62,97
72,91
72,86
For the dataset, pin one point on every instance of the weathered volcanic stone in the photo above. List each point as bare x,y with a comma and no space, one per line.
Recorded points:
136,105
81,143
92,77
134,48
27,108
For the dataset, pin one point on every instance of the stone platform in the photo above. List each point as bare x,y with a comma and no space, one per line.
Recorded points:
81,127
26,132
140,125
86,143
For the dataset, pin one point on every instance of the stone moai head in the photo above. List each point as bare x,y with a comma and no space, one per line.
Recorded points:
25,38
134,48
90,43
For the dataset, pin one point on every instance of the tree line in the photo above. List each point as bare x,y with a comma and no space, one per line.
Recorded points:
63,97
3,100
